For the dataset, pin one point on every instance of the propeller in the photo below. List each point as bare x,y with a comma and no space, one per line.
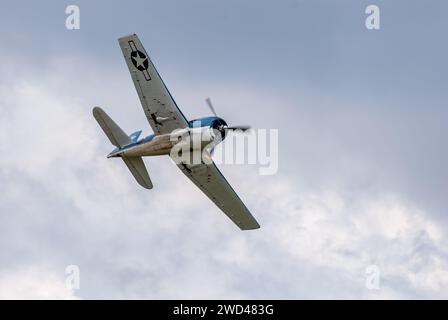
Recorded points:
224,127
210,105
242,128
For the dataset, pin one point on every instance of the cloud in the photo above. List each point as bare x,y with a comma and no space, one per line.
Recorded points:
34,283
64,203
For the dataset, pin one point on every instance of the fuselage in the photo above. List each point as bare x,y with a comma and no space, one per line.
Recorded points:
206,130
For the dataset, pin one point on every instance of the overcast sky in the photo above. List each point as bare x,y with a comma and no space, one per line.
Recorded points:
362,178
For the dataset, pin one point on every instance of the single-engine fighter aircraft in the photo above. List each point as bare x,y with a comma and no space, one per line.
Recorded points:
164,117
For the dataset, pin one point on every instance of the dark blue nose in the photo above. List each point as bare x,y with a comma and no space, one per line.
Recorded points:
220,125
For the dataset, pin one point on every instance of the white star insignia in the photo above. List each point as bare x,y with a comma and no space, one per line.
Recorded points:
139,61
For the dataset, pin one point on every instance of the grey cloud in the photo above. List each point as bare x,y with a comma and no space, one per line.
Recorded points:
361,181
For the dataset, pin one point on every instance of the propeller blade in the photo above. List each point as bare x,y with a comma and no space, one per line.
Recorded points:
223,127
242,128
210,105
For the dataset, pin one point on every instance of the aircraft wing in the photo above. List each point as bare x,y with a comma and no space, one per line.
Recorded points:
211,181
159,106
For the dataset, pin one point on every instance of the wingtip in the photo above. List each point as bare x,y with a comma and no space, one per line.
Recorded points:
127,36
252,227
96,110
146,186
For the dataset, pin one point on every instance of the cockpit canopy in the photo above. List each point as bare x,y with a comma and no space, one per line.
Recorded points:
212,122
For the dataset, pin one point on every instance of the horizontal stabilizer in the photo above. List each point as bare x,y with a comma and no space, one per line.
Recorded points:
115,134
138,170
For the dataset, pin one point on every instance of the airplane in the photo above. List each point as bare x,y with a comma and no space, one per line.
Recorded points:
165,117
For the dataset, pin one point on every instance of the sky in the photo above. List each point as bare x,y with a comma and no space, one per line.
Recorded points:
361,118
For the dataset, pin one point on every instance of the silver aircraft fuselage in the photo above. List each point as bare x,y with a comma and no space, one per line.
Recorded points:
204,129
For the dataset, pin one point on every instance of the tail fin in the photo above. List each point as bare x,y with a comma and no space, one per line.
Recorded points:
120,139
